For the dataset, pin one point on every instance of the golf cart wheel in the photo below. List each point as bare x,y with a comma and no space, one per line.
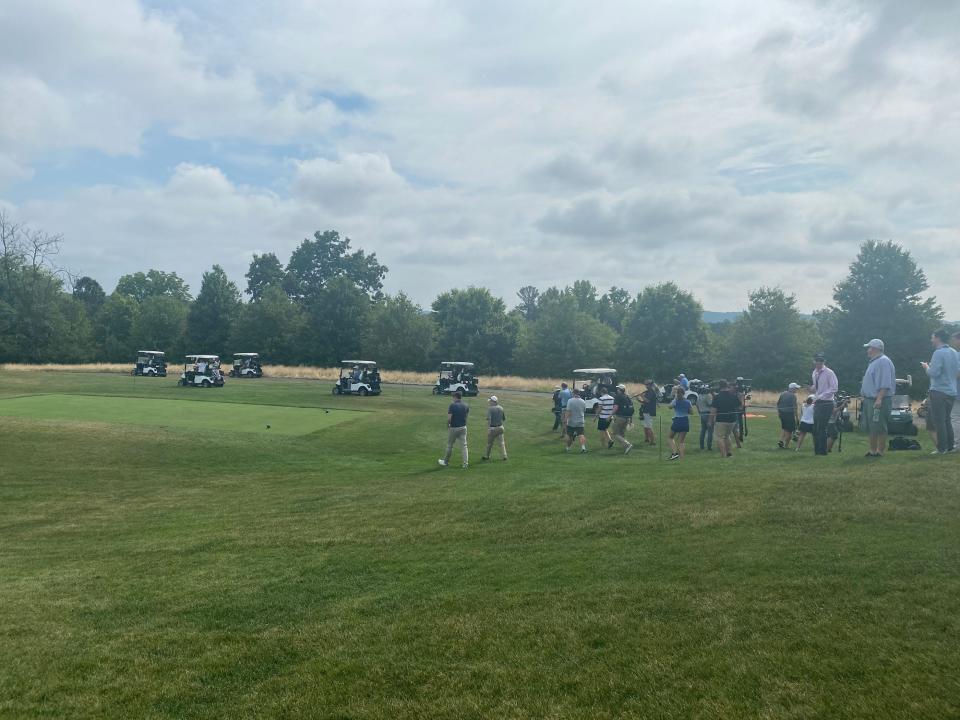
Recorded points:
336,390
436,390
205,383
362,392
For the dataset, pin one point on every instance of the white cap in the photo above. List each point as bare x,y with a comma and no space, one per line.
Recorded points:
493,398
876,343
793,386
621,386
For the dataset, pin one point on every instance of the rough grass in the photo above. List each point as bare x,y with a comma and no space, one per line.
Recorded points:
343,574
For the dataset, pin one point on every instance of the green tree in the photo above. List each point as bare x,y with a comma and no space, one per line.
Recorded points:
88,291
585,293
273,326
113,328
663,334
770,342
882,297
161,324
612,307
153,284
326,257
399,335
265,271
563,338
213,313
336,321
529,297
473,325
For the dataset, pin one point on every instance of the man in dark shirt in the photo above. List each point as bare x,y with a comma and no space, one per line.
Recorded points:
648,407
622,417
787,410
723,416
457,429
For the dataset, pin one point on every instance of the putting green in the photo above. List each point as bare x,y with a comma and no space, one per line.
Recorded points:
188,414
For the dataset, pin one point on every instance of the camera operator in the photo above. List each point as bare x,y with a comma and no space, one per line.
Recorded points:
824,389
877,389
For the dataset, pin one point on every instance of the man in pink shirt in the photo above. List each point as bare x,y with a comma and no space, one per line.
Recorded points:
824,388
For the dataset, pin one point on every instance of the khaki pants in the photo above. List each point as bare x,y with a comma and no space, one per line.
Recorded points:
454,436
723,431
495,434
619,430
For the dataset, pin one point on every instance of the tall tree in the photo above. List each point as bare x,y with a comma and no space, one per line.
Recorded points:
612,307
473,325
336,320
770,341
113,328
161,324
399,335
663,334
152,284
87,291
214,311
327,256
273,326
529,296
563,338
585,293
883,297
265,271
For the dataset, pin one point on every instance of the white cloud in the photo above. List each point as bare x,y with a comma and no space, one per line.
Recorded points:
722,145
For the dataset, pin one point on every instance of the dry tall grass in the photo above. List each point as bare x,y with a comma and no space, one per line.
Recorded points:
307,372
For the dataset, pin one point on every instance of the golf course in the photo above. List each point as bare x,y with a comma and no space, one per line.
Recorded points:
268,549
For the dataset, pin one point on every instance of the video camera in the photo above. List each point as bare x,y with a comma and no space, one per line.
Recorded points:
701,387
745,386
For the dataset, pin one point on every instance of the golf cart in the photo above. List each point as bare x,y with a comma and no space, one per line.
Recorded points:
246,365
150,363
202,371
456,376
358,377
901,411
590,380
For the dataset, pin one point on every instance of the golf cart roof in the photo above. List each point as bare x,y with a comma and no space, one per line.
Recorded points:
246,354
458,363
150,352
595,371
359,362
203,357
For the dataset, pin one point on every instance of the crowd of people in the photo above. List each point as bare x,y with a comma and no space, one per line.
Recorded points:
722,413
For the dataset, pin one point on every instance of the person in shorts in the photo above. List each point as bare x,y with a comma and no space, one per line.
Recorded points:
877,390
723,416
456,430
605,405
806,420
648,407
574,420
495,419
787,410
704,400
622,417
681,423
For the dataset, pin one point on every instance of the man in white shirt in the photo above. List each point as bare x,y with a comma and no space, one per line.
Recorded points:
605,405
824,388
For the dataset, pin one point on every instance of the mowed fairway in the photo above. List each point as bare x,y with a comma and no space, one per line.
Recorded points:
166,571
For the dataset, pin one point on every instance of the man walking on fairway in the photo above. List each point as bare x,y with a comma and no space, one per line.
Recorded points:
787,410
495,419
573,421
622,417
457,429
605,407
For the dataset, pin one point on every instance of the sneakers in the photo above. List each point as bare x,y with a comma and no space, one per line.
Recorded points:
583,450
465,466
484,458
566,448
609,444
442,462
780,444
628,449
936,452
675,456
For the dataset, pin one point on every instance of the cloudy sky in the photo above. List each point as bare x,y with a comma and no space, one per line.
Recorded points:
723,145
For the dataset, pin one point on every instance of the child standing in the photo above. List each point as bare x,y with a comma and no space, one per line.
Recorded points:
806,420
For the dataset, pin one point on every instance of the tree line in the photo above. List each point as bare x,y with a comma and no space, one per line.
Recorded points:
327,303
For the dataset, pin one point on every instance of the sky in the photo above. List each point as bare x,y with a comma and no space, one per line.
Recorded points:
723,146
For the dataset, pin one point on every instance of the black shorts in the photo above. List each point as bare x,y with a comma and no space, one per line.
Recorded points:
806,427
603,424
574,431
788,421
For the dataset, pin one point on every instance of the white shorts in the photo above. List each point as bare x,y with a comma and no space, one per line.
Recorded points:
648,422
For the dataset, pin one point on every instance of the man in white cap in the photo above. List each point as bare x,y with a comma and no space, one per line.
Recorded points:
787,410
877,389
495,419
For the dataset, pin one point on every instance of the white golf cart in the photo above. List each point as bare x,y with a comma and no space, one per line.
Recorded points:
202,371
457,376
590,380
358,377
150,363
246,365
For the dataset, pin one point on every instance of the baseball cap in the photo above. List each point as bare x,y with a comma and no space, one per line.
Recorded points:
621,386
820,357
793,386
876,343
493,398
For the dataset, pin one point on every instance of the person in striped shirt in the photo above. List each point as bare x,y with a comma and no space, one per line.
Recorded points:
605,405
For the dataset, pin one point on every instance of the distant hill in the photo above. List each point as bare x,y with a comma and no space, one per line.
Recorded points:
711,317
